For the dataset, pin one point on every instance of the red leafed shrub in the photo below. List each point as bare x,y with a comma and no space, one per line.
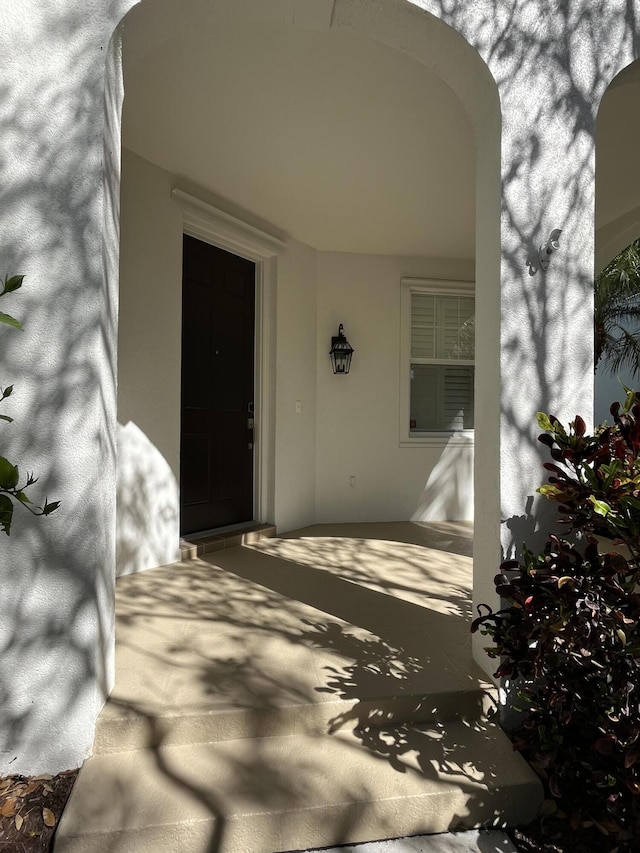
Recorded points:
569,633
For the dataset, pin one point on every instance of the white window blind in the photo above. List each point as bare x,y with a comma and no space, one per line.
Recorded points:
442,327
441,362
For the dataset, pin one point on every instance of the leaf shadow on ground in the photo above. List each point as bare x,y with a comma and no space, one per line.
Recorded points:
249,637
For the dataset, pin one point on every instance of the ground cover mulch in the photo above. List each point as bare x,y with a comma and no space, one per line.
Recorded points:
557,836
30,809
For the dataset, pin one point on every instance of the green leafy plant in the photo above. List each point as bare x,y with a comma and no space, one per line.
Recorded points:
568,635
12,488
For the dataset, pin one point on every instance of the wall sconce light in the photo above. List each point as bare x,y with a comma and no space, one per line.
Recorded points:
340,352
552,245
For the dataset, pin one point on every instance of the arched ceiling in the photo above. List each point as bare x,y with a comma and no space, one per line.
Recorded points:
617,172
337,140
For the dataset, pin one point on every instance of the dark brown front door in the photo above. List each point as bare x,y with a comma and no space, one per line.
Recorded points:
216,454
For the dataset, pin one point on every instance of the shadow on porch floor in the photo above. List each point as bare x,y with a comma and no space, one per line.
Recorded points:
293,693
333,614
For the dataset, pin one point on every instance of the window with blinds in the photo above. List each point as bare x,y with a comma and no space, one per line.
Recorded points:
441,343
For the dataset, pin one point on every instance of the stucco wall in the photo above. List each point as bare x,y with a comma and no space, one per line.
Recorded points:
149,341
617,201
350,429
57,153
617,176
295,432
551,67
149,374
359,414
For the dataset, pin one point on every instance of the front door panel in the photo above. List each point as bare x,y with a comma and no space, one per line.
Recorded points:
216,456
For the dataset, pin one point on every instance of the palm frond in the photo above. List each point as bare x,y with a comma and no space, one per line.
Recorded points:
622,353
617,312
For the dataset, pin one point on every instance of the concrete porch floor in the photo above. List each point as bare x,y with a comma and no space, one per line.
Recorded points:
328,615
233,669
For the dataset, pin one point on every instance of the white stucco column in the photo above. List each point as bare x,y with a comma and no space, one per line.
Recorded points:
551,65
57,572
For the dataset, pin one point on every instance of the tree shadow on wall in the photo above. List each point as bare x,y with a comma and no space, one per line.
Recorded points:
569,53
57,590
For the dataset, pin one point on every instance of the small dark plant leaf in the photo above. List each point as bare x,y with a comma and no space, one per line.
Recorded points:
9,474
13,283
6,514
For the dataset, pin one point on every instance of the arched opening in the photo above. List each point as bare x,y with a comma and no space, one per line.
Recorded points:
362,162
617,220
390,235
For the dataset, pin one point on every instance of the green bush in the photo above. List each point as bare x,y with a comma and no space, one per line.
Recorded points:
12,486
568,636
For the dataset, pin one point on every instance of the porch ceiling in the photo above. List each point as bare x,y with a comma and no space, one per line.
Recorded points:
339,141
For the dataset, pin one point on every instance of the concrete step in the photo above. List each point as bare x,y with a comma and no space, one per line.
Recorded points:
122,726
294,694
257,645
267,794
202,544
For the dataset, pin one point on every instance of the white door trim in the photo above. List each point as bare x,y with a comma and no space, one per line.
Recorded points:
208,223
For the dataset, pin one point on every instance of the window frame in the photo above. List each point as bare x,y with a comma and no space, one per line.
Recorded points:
434,287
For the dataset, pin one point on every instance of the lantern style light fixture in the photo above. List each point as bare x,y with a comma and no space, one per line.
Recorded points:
340,352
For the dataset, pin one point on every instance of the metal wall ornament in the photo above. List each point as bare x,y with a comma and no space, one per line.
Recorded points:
541,258
552,245
340,352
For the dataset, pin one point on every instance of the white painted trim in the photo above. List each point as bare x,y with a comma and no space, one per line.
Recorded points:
424,439
439,286
264,392
208,223
463,438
